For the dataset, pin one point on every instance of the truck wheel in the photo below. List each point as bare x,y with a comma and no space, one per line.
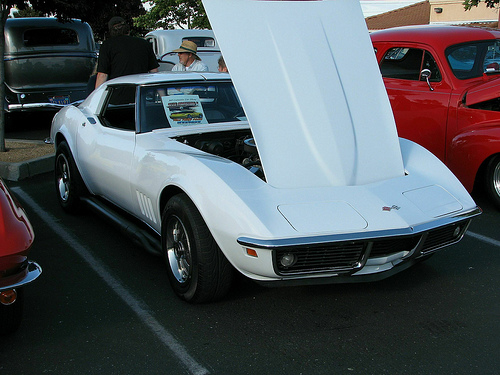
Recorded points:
198,270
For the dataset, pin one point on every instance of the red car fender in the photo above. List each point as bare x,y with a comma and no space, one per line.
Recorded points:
468,150
16,232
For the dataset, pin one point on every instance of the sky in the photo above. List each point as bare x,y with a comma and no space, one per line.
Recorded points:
373,7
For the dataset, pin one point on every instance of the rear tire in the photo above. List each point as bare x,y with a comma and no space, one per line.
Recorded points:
198,270
492,182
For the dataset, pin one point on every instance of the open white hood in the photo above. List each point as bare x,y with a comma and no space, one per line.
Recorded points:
306,74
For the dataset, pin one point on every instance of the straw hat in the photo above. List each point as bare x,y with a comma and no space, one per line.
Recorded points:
188,46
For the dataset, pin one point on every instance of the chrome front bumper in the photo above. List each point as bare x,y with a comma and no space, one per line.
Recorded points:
26,276
346,254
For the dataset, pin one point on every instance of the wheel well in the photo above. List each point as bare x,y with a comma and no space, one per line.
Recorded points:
481,172
167,193
59,139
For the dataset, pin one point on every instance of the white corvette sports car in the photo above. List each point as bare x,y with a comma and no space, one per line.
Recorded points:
293,175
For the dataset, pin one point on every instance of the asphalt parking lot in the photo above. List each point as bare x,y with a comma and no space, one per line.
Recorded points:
103,305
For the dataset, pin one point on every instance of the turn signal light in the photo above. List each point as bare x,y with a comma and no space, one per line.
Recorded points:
252,253
8,297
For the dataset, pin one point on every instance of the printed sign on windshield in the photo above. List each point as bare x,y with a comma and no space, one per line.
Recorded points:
183,110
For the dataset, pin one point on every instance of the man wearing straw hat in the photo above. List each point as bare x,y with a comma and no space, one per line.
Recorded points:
188,59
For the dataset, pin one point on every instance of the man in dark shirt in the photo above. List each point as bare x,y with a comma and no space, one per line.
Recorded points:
122,54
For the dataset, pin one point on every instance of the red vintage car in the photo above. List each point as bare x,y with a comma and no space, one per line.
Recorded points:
444,86
16,238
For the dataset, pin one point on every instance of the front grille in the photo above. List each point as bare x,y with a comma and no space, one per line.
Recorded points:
337,256
382,248
350,255
444,236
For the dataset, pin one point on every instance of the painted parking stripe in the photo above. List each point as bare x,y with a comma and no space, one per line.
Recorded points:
136,305
480,237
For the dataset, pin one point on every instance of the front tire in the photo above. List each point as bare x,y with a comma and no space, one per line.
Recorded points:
198,270
69,184
492,182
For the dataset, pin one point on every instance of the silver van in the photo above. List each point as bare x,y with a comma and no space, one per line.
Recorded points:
47,63
165,41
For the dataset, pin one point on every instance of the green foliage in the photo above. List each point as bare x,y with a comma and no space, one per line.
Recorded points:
468,4
171,14
28,12
96,12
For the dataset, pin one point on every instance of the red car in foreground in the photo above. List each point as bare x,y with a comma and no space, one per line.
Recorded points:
444,86
16,237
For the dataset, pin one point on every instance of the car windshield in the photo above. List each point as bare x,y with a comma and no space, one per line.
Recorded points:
471,60
178,105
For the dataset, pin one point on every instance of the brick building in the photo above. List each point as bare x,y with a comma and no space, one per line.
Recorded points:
435,12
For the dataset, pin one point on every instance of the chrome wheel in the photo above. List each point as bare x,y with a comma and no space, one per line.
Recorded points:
495,179
63,177
197,269
178,250
68,182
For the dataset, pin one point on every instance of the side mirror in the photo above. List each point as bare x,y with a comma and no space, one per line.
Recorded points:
425,74
492,68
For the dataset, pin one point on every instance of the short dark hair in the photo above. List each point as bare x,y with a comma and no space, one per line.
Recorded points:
118,26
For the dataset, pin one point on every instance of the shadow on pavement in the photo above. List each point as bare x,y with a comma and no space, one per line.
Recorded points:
28,125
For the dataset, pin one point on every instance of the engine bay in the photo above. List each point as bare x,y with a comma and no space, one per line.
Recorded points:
237,146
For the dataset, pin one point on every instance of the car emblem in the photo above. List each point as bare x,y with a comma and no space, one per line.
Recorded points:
393,207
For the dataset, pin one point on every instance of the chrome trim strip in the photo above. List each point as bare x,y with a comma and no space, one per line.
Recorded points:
358,236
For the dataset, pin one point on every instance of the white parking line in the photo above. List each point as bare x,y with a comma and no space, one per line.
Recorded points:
168,340
480,237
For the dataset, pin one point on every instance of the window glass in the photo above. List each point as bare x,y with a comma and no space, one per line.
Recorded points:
154,45
50,37
471,60
462,59
164,106
202,41
430,63
402,63
119,112
492,55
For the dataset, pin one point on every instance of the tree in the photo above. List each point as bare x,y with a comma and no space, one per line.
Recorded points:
171,14
96,13
468,4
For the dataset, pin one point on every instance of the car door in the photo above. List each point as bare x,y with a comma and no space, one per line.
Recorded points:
420,107
106,147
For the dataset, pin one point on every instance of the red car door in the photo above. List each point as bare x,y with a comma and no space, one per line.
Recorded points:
420,107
